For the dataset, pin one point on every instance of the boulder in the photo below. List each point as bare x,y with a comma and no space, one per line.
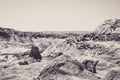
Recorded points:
35,53
90,65
64,68
55,55
23,63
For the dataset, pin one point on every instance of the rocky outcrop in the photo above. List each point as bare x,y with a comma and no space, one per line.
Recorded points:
64,67
60,69
12,35
54,55
113,75
90,65
109,26
8,34
108,31
23,63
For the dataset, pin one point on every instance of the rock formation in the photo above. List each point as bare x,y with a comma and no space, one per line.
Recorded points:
109,26
113,75
23,63
61,67
64,67
90,65
108,31
35,53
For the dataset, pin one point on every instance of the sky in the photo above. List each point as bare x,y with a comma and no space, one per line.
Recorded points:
57,15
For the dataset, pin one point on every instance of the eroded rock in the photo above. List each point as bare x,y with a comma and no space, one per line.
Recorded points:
113,75
63,68
23,63
90,65
35,53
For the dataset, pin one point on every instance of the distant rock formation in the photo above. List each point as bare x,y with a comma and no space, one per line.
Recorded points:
7,34
12,35
35,53
108,31
109,26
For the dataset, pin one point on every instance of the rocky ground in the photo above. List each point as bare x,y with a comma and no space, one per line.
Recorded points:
12,54
61,60
37,56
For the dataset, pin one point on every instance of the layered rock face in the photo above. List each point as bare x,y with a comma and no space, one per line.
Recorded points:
108,27
64,67
113,75
108,31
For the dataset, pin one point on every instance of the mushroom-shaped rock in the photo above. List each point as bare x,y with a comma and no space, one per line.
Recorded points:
35,53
